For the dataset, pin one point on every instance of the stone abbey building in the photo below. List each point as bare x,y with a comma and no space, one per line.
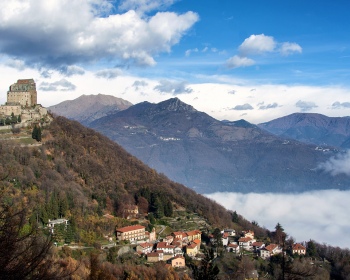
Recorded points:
22,93
22,101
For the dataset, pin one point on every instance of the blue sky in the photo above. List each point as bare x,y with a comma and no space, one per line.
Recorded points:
256,60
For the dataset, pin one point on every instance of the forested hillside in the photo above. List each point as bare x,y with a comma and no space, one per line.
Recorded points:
80,175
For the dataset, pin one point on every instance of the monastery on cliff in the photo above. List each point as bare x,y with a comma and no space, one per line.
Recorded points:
22,100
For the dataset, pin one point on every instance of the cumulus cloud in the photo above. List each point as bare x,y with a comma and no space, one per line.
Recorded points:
239,61
66,32
300,214
173,87
257,44
268,106
138,84
339,164
305,106
243,107
145,6
61,85
289,48
338,105
109,73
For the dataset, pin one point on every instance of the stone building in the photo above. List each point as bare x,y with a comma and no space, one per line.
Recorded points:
22,93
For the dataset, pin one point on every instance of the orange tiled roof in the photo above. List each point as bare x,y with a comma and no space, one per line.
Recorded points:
271,247
298,247
130,228
244,239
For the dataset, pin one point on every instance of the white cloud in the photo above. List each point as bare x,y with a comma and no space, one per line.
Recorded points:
257,44
145,6
243,107
339,164
239,61
289,48
61,85
86,32
188,52
318,215
305,106
338,105
16,63
268,106
173,87
109,73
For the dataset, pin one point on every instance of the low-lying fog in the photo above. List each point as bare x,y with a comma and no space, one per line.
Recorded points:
319,215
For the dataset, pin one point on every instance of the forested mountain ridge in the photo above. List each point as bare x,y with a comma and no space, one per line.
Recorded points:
209,155
79,174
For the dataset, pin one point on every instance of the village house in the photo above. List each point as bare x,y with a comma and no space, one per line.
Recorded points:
230,232
144,248
131,233
192,250
246,243
270,250
258,246
194,234
248,233
225,238
155,256
51,224
167,249
233,248
178,261
131,211
298,249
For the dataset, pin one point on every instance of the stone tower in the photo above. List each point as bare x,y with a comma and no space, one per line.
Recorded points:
22,93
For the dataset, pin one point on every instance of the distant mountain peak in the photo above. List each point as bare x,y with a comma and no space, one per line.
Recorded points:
175,105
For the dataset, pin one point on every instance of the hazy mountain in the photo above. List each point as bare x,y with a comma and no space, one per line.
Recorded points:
210,155
88,108
312,128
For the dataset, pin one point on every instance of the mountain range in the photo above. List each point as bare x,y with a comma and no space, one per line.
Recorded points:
312,128
209,155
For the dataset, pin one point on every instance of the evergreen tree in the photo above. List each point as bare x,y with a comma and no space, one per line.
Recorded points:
235,217
13,118
7,121
19,119
36,133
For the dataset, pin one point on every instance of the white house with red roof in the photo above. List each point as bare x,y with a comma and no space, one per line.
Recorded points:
232,247
167,249
258,245
270,250
298,249
246,243
144,248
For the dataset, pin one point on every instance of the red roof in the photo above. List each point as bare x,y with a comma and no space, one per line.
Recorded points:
193,232
130,228
244,239
232,245
197,241
258,244
298,247
271,247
